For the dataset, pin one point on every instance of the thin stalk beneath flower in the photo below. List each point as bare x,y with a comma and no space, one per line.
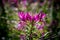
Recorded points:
30,36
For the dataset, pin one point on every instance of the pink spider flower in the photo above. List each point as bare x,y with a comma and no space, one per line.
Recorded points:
36,17
42,15
39,27
28,17
22,37
25,16
21,16
21,25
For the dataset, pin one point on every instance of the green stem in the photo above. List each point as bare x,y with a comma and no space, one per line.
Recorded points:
30,36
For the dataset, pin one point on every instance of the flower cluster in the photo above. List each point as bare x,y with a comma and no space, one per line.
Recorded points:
26,16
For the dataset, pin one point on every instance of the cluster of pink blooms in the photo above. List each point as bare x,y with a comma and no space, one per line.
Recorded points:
26,16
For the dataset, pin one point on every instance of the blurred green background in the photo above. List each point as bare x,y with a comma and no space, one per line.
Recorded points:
9,18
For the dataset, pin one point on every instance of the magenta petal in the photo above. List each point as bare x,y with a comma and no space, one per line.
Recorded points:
21,25
22,37
21,16
42,15
40,26
28,17
36,17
